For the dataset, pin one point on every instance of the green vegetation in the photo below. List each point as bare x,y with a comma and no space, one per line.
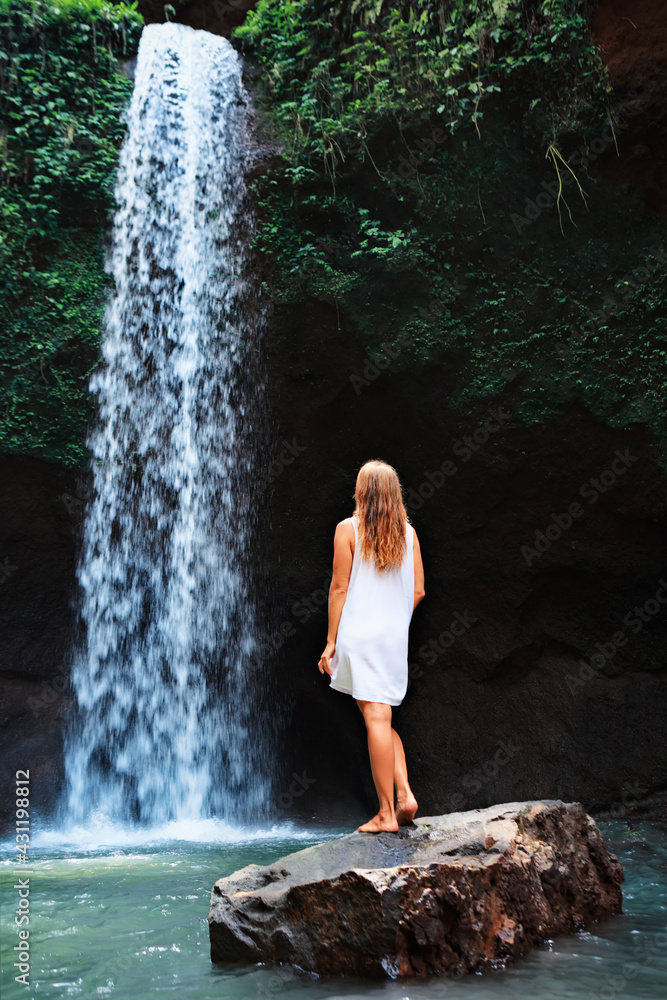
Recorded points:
62,94
417,141
339,72
415,136
372,84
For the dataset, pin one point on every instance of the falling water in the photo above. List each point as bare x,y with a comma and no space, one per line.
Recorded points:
165,726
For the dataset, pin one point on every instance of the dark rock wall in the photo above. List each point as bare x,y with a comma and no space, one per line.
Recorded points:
506,700
217,16
41,508
555,684
632,36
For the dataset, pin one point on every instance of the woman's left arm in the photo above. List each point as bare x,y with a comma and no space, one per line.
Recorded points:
340,580
420,593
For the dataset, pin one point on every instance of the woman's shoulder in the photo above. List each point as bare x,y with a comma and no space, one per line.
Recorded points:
346,526
345,535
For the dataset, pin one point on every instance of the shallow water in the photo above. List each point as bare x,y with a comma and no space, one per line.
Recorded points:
129,921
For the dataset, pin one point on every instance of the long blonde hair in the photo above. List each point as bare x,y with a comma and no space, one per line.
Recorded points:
382,515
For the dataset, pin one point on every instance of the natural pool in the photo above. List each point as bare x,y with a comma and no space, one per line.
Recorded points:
129,921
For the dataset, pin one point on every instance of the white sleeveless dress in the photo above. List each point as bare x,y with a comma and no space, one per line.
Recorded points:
371,657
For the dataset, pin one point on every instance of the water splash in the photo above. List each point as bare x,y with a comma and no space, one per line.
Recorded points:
165,727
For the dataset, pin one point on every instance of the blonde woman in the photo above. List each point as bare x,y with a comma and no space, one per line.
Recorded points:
378,581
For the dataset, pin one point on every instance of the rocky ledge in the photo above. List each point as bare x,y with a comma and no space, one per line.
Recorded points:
458,893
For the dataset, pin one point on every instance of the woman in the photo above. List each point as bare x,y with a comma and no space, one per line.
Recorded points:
378,580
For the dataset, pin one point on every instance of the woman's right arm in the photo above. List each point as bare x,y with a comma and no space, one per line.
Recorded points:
420,593
340,581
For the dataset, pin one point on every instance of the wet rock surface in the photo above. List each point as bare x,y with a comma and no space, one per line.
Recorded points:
465,892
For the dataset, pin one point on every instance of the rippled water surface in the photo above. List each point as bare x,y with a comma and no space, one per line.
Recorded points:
129,922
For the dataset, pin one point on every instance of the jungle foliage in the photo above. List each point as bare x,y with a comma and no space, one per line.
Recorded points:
62,95
338,72
371,82
414,138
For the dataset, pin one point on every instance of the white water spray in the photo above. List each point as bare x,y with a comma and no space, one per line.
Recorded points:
165,726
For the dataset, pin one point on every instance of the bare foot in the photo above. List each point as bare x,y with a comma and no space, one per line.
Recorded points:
379,824
406,811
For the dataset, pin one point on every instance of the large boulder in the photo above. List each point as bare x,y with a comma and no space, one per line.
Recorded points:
458,893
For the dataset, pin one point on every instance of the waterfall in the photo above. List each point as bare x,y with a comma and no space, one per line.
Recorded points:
165,727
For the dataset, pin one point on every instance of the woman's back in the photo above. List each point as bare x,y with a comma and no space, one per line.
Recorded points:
370,661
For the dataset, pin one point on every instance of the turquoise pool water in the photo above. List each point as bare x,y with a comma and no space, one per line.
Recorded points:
128,921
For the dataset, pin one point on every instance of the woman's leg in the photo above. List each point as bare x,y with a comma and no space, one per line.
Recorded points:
377,717
406,803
